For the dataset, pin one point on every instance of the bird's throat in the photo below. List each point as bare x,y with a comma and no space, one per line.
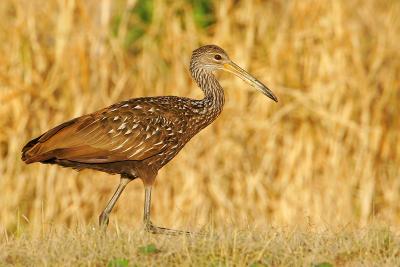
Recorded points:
209,108
214,98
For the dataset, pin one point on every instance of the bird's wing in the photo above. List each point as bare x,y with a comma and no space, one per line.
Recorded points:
118,133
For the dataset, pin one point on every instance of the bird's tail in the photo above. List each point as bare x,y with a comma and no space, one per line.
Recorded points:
36,150
31,152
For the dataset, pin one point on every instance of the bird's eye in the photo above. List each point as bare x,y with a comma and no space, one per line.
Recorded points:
217,57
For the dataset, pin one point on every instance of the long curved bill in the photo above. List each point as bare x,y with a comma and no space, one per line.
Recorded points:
245,76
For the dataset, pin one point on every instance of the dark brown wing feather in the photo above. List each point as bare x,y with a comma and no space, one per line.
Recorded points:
126,131
27,150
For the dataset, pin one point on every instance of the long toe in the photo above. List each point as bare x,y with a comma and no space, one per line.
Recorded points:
165,231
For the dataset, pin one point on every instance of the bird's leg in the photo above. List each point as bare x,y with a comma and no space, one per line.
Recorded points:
148,225
103,219
147,204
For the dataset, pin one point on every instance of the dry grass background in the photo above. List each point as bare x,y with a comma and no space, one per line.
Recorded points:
327,154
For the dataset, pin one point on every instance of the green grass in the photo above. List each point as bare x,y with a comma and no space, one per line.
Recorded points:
374,246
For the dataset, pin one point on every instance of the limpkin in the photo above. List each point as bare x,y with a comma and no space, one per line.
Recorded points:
137,137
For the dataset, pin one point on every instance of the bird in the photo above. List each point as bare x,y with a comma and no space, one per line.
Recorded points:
137,137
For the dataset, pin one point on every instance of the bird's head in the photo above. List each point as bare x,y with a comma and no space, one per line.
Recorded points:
212,58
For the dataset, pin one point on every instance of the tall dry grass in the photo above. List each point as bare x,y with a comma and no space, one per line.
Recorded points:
327,154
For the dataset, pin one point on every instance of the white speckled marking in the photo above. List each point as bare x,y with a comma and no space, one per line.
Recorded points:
121,145
123,125
136,152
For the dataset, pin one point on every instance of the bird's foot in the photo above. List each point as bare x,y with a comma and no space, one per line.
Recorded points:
149,227
103,220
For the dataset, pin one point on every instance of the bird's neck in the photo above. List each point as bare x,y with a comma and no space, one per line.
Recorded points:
214,99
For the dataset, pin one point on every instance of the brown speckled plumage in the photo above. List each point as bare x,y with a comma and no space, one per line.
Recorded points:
137,137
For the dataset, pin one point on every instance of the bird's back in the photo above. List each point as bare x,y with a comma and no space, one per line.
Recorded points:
133,130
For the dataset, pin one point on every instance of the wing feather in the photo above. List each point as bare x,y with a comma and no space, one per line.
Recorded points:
108,136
